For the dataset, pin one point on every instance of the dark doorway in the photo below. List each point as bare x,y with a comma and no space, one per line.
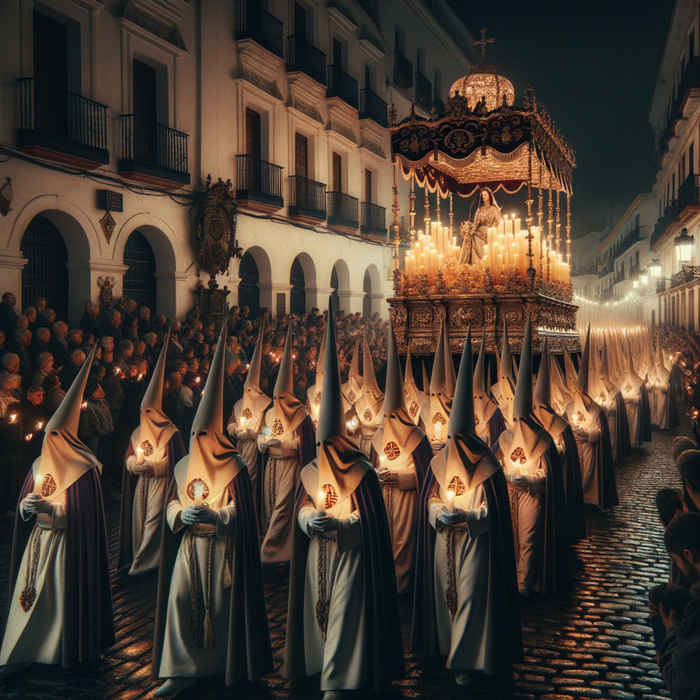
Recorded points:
50,76
248,290
297,298
140,279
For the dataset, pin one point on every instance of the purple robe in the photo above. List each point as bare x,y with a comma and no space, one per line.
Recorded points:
88,627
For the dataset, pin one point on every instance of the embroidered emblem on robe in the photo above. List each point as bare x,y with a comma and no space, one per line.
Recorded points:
191,485
277,427
518,455
317,398
476,419
147,448
392,450
457,485
413,409
331,495
439,418
367,415
246,413
48,486
351,397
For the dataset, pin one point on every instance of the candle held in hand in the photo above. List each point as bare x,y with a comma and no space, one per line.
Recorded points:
450,495
198,493
438,429
139,455
321,502
38,483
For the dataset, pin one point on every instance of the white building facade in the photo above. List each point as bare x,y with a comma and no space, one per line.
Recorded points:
129,107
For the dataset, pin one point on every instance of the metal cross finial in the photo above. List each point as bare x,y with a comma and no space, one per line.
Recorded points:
482,42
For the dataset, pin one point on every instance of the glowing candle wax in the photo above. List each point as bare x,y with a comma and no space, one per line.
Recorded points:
198,493
139,455
438,429
321,502
450,496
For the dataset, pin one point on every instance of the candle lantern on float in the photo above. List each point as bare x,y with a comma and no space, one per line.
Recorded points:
485,142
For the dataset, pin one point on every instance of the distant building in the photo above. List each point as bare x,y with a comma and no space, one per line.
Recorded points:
145,98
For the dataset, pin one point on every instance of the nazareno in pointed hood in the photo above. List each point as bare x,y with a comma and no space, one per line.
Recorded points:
466,461
542,399
399,435
504,389
212,459
528,441
415,399
287,412
339,465
156,429
450,376
64,457
255,400
352,389
437,409
369,406
484,406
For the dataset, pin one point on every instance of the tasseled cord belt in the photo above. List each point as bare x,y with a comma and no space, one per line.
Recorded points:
203,626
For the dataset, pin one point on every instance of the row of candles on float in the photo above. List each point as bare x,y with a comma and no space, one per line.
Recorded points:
431,250
507,247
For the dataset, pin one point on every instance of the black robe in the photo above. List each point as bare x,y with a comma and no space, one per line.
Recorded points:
176,451
504,644
88,622
573,488
644,419
249,653
624,441
383,657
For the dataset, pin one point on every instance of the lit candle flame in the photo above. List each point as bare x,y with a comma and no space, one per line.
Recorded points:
321,502
198,493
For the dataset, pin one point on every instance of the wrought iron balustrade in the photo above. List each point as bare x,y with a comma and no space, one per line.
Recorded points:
689,193
342,85
307,198
303,56
424,91
153,149
342,210
373,107
252,22
259,180
373,219
61,121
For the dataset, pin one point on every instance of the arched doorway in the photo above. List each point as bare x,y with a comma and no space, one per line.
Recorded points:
340,284
297,295
248,289
45,274
139,281
367,299
371,286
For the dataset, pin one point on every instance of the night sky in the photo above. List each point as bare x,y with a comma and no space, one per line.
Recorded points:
594,65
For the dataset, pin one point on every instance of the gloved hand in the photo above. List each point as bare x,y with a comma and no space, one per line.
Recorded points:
206,515
37,504
189,515
324,523
452,518
387,476
146,468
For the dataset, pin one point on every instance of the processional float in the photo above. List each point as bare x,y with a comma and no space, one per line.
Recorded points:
483,142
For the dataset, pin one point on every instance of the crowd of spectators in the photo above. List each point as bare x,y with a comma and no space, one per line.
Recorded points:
40,356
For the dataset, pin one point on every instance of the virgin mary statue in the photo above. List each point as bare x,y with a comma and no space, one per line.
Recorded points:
474,234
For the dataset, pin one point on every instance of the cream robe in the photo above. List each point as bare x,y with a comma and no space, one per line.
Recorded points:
338,657
147,515
181,657
632,406
400,501
248,446
36,636
527,507
591,470
463,640
281,478
611,413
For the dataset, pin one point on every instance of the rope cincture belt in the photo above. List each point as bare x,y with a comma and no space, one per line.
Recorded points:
323,603
202,626
28,594
145,484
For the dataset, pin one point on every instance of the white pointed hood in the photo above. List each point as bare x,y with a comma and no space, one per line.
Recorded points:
437,409
315,392
415,399
156,429
369,406
212,459
504,389
64,457
484,405
542,399
255,400
450,375
352,389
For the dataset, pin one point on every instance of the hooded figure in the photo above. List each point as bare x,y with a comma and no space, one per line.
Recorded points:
590,426
665,412
560,395
487,418
613,402
503,390
247,418
369,407
466,596
288,437
343,616
401,451
313,394
61,601
631,385
352,389
154,450
565,442
536,489
436,412
415,399
210,616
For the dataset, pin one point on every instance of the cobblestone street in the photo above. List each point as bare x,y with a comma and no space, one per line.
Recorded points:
595,643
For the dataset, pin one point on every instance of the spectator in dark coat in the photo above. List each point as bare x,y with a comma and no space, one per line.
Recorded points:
8,315
58,345
111,327
89,322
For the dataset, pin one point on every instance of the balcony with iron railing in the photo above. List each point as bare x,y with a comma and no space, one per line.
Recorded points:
607,269
403,71
259,183
341,85
688,274
424,92
303,56
342,210
373,220
689,197
373,107
61,126
153,153
634,271
307,198
668,221
619,277
252,22
660,286
626,243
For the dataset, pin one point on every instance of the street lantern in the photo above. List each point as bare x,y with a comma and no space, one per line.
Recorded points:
655,268
644,279
684,247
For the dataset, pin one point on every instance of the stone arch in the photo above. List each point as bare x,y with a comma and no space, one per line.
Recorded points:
82,245
262,261
372,288
310,286
340,284
161,238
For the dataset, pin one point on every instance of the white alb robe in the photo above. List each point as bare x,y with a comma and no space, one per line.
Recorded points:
36,635
181,657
